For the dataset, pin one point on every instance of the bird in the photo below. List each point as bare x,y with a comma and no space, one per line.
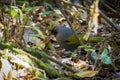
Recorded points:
67,40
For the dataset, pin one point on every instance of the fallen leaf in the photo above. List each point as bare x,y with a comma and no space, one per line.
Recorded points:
10,75
84,74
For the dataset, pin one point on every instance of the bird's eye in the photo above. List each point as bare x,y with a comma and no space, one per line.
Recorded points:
54,32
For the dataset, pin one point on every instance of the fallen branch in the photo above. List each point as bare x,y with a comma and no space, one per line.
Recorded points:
37,53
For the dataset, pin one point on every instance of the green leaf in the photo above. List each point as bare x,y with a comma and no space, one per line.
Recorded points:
50,46
108,60
105,58
87,48
104,53
27,9
39,74
46,13
74,54
57,11
34,38
13,11
39,32
21,14
50,25
49,5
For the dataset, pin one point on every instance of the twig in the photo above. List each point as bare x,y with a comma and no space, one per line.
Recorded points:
109,21
63,12
111,9
116,33
112,5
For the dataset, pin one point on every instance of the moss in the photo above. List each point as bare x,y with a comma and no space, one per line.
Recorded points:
64,78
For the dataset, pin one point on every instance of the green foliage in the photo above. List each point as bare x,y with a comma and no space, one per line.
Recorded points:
40,34
14,11
6,46
57,11
74,54
50,25
64,78
46,13
28,9
39,75
49,5
15,19
87,48
105,58
50,46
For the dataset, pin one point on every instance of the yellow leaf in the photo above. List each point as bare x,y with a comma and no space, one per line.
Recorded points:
10,75
84,74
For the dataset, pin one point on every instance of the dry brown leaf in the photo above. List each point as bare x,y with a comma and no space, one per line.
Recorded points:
80,64
75,25
9,77
40,43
